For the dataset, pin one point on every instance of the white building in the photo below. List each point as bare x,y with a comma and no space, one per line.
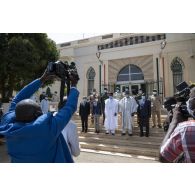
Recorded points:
147,61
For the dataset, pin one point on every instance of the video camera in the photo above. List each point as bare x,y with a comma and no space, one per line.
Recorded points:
63,70
180,97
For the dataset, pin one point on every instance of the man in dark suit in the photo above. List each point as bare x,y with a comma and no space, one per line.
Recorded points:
84,111
144,114
103,98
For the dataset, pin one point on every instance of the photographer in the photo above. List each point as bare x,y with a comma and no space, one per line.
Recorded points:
179,142
34,137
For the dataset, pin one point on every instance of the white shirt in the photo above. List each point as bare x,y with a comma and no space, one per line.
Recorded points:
44,106
71,136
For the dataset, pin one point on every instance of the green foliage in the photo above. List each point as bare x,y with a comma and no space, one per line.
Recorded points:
23,58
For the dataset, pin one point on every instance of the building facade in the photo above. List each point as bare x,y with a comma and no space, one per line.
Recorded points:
134,61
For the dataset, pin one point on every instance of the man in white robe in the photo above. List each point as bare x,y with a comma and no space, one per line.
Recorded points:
111,111
128,107
44,105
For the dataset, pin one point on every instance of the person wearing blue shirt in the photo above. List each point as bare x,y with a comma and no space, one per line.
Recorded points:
97,112
34,137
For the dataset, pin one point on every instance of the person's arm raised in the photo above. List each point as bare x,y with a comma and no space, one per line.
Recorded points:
30,89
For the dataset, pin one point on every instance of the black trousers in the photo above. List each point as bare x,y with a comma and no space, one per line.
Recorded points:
84,121
103,117
144,122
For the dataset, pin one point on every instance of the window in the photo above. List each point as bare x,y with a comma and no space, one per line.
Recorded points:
142,39
130,73
136,40
177,66
107,36
153,38
131,40
158,37
65,44
90,77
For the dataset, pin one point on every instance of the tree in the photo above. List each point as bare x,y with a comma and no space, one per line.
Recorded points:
23,58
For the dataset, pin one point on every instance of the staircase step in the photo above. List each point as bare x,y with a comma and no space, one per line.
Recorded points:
135,143
146,146
119,138
135,132
121,149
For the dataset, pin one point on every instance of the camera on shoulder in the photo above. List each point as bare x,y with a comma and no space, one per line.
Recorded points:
181,96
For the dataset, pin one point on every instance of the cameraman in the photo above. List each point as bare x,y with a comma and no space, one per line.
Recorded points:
179,142
33,137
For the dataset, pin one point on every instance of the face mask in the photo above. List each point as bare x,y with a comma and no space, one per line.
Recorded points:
84,100
154,93
96,100
117,91
110,97
105,91
191,112
143,97
127,96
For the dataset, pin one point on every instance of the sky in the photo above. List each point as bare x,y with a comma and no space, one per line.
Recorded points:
66,37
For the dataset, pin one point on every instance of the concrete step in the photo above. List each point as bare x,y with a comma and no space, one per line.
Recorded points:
143,146
121,149
119,138
135,143
136,131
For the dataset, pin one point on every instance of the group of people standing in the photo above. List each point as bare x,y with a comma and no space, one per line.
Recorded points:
111,104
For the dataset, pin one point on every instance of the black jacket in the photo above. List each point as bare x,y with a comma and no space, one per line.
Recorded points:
144,110
84,109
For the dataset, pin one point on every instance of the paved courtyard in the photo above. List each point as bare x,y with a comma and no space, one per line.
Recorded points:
91,156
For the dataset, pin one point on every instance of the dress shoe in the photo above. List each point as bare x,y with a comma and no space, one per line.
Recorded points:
159,126
107,133
123,134
146,135
113,133
141,135
153,126
130,134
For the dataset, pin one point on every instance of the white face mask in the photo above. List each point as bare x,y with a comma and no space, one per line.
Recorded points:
143,97
96,100
191,112
105,91
110,97
154,93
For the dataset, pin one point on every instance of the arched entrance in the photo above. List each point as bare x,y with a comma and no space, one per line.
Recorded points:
131,77
177,67
91,77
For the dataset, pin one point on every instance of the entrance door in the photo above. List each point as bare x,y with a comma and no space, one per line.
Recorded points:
133,88
123,87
